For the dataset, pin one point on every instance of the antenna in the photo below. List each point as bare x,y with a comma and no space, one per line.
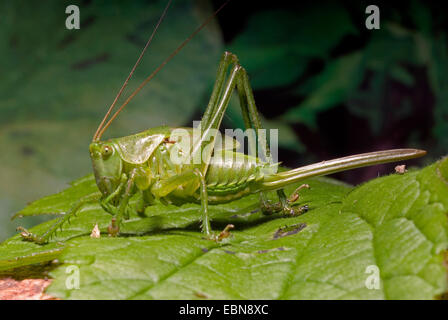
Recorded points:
152,75
95,136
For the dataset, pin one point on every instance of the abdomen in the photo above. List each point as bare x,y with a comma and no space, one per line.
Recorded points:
230,174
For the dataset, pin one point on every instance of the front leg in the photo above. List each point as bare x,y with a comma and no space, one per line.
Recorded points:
119,211
108,202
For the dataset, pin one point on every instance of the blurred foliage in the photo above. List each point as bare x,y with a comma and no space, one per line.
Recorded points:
271,50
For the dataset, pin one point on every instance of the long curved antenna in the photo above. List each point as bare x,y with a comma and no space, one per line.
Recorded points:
171,56
95,136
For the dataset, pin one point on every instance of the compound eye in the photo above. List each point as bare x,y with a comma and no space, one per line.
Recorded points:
106,151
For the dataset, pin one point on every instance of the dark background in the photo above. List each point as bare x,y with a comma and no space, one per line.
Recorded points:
331,86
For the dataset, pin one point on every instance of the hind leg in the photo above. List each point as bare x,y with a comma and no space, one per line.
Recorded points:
41,239
284,205
218,103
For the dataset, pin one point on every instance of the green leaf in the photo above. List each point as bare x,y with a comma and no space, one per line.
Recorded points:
397,224
16,253
159,216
